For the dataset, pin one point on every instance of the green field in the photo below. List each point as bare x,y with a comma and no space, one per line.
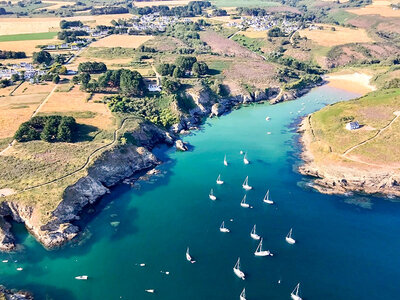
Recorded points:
239,3
28,36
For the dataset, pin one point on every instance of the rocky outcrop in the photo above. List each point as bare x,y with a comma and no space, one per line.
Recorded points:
7,242
180,145
14,295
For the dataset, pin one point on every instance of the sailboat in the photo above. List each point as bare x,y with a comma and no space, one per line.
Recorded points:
151,291
243,294
237,271
243,202
295,293
188,257
253,233
260,251
246,185
266,198
245,160
219,181
289,238
222,228
225,161
82,277
211,195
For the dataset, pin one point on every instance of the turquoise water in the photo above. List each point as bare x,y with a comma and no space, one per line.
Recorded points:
347,247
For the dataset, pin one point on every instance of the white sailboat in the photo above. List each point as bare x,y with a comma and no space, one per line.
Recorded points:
260,251
211,195
253,234
188,257
225,161
266,198
82,277
289,238
243,203
151,291
246,185
222,228
245,160
219,181
237,271
243,294
295,293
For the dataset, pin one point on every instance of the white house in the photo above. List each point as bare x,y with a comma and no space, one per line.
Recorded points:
352,125
154,87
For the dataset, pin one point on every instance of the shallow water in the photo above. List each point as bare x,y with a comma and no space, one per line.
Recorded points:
347,247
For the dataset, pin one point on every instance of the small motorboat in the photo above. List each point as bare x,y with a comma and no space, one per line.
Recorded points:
19,269
150,291
82,277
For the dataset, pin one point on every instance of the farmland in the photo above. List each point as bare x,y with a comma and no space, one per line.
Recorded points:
123,41
378,7
28,37
167,3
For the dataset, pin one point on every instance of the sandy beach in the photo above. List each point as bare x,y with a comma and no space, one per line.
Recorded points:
352,82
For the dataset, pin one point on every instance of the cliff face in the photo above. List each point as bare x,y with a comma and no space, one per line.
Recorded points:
112,167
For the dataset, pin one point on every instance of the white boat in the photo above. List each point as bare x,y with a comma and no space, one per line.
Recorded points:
246,185
266,198
260,251
225,161
241,152
243,294
188,257
82,277
253,234
211,195
295,293
5,261
237,271
19,269
289,238
267,118
243,202
245,160
222,228
219,181
150,291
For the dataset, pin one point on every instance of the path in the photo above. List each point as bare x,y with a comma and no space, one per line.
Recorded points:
115,139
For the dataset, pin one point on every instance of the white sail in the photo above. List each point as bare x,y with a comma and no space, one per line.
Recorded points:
266,198
237,271
246,185
222,228
289,238
219,181
243,202
295,293
211,195
243,294
225,161
245,160
253,233
260,251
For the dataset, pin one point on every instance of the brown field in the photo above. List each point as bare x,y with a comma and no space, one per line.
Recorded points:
342,35
226,46
56,4
378,7
165,43
157,3
27,46
74,103
110,63
36,25
17,109
124,41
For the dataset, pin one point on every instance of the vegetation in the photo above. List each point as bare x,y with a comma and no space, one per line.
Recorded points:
12,54
192,9
42,57
47,128
92,67
109,10
71,35
68,24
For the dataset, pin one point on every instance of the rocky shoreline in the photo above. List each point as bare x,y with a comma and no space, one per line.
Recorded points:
331,178
14,295
118,164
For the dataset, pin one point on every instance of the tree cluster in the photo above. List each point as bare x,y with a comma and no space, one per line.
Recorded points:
12,54
64,24
42,57
182,65
47,128
109,10
92,67
71,35
192,9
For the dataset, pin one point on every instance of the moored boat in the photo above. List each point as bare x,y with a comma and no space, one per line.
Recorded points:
243,294
219,181
246,185
289,238
253,233
295,293
236,269
225,161
212,196
82,277
266,198
260,251
243,203
188,257
245,160
222,228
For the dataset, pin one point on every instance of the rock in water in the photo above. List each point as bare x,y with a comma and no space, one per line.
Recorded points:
180,145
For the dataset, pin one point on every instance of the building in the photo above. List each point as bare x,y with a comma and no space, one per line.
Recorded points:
154,87
352,125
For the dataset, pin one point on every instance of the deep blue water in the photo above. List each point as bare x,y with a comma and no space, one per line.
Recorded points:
347,247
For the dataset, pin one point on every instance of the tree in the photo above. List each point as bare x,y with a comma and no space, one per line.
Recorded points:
131,83
26,133
200,68
185,62
14,77
42,57
66,129
170,85
76,79
49,132
85,78
178,72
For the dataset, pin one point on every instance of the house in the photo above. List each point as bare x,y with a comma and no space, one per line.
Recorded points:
50,47
154,87
352,125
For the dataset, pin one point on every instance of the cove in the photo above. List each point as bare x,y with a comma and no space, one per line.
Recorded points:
347,247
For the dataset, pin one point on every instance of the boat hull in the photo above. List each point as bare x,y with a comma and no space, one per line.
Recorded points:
212,197
255,236
290,241
262,253
247,187
245,205
239,273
